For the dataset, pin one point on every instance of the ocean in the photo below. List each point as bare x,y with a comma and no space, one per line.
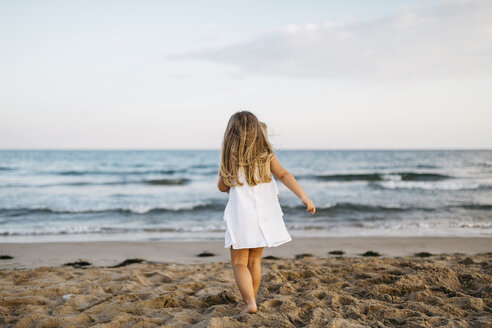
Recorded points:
48,196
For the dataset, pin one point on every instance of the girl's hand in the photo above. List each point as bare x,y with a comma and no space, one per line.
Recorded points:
309,204
222,186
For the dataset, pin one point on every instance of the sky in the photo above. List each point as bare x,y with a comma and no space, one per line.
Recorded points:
380,74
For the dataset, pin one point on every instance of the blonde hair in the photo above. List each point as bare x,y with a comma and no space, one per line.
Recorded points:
245,145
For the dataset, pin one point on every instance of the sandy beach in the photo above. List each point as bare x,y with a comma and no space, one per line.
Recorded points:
303,285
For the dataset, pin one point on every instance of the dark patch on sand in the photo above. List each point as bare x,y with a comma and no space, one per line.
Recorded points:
271,257
127,262
423,254
205,254
370,253
78,264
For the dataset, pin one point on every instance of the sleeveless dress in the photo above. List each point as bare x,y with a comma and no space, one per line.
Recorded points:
253,216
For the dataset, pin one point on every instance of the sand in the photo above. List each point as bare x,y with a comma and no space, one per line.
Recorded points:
453,289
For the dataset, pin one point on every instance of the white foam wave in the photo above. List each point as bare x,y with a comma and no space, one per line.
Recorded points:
425,185
136,208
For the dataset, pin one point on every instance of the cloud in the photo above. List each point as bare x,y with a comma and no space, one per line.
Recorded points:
452,39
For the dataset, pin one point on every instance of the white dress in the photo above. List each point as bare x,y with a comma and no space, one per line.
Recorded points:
253,216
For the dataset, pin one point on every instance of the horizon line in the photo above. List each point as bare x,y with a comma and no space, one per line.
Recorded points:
218,149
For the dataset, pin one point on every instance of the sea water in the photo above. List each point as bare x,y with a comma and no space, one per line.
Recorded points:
172,195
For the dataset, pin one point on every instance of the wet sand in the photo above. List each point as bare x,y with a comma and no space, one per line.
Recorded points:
32,255
313,289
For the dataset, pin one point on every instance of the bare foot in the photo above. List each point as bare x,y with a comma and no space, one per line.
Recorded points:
249,308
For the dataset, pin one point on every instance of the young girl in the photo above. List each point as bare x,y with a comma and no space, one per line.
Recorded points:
253,216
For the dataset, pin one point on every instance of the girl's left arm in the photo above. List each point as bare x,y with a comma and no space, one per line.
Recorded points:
290,182
222,186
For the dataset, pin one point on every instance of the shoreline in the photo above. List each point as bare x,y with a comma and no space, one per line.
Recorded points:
107,253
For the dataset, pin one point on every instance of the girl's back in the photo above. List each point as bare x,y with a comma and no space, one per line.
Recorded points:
253,216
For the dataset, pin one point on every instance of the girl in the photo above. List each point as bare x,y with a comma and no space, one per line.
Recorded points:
253,215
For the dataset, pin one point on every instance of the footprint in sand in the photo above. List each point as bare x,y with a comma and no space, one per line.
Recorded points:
271,304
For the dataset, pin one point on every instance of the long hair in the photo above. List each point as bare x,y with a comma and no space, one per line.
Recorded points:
245,145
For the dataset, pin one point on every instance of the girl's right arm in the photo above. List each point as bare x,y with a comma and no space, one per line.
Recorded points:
290,182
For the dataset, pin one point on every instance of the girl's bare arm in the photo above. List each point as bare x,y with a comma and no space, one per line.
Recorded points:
222,186
290,182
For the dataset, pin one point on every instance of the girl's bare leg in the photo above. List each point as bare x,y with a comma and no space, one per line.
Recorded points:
244,280
254,267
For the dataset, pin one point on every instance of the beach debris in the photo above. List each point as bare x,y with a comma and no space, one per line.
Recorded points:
423,254
468,260
127,262
370,253
78,264
66,297
5,257
205,254
337,252
303,255
271,257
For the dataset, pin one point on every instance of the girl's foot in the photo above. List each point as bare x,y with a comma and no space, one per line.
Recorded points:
249,308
